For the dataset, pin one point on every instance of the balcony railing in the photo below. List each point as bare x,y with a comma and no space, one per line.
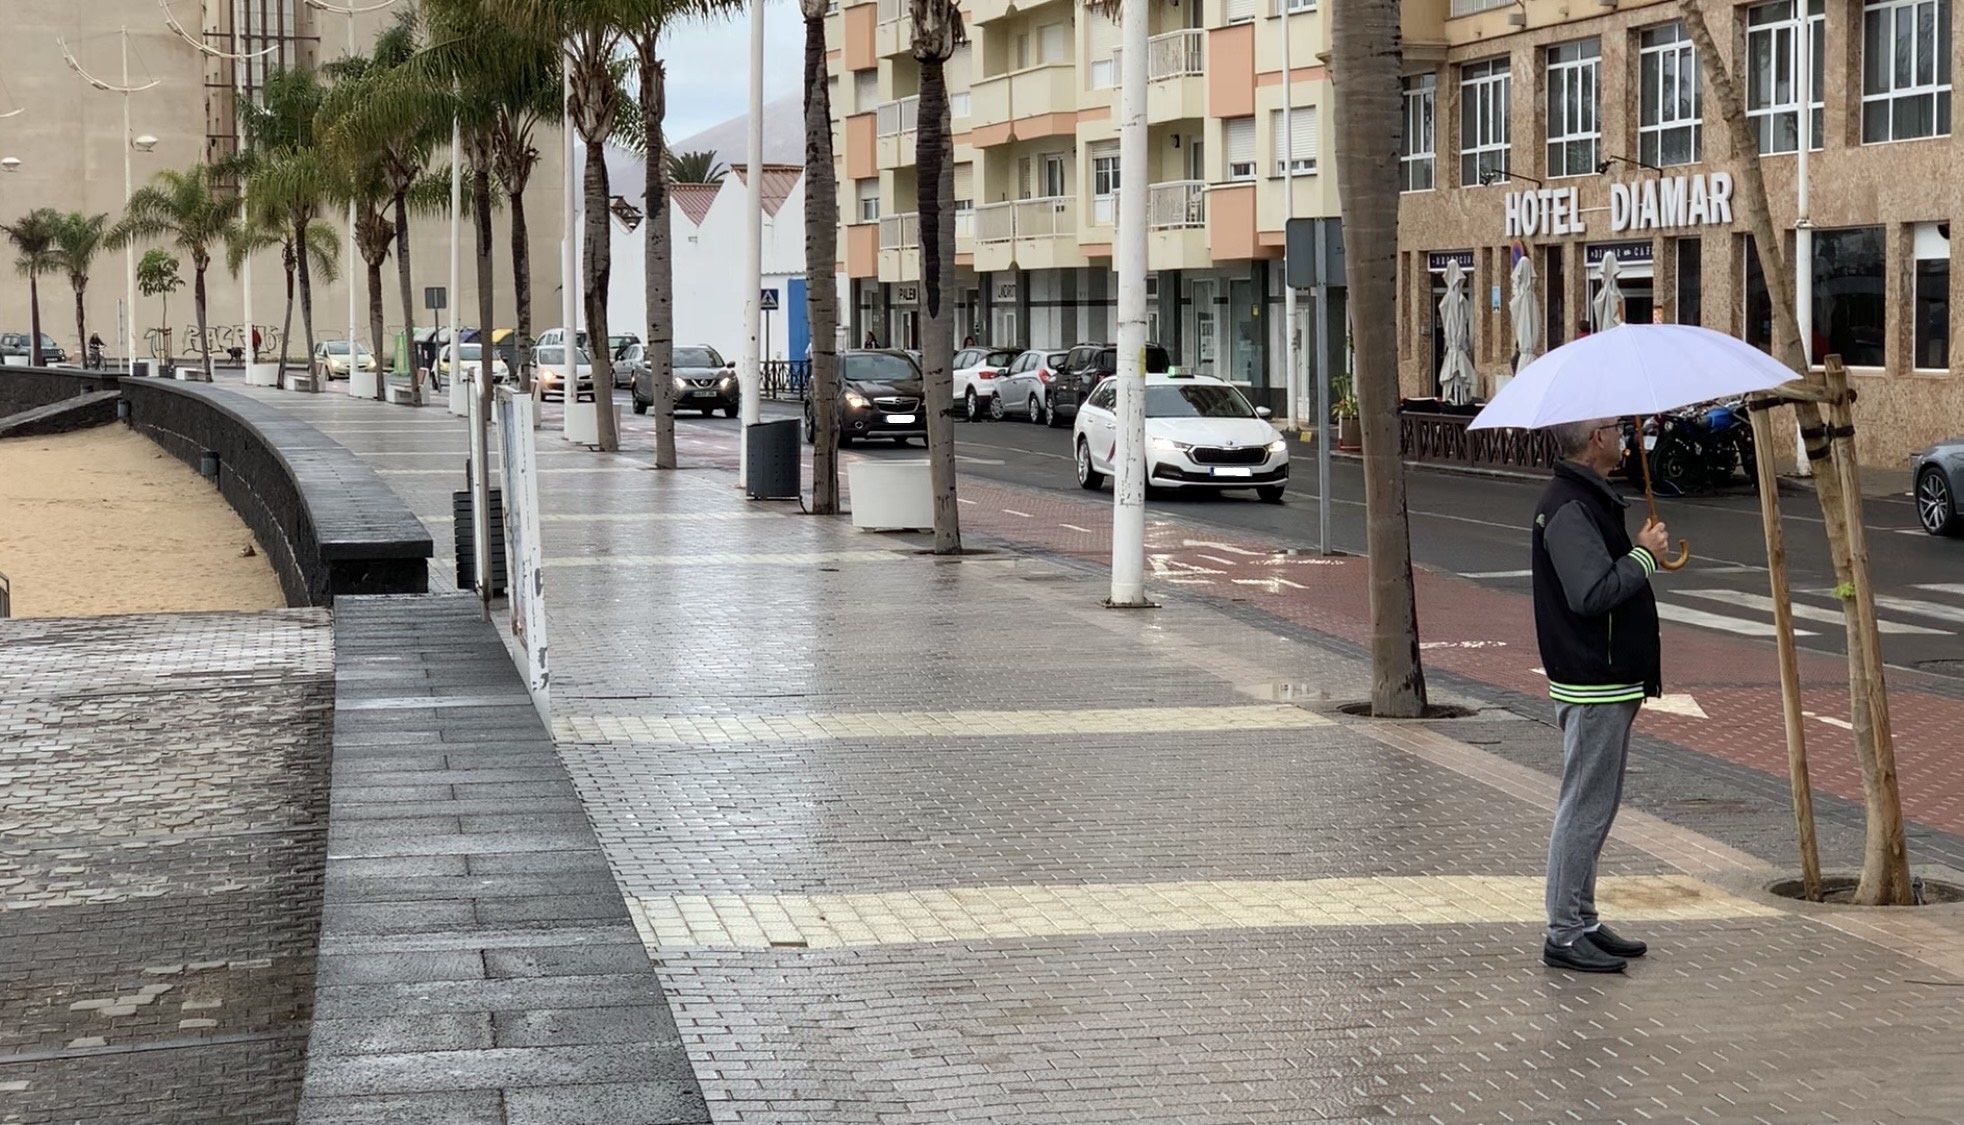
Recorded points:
1469,7
1042,218
1176,54
895,118
891,10
995,222
1179,203
900,232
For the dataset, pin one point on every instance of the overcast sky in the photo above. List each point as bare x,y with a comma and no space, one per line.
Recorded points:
709,66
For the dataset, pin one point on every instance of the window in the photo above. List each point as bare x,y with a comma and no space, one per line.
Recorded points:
1668,130
1100,44
868,193
1851,296
1758,311
1415,153
1237,11
1691,281
1295,147
1772,61
865,90
1931,243
1053,182
957,104
1238,139
1104,182
1905,70
1294,6
1483,88
1574,119
1555,324
1054,42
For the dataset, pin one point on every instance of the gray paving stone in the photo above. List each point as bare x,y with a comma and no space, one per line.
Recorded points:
635,1103
393,1034
454,1107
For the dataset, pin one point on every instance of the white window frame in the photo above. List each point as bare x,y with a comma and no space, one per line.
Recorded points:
1105,178
1783,44
1573,72
1674,64
1053,175
869,205
1418,144
1302,119
1238,170
1930,77
1926,245
1281,7
1484,89
1237,11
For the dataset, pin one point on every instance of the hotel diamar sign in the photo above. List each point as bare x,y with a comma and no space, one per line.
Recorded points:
1664,203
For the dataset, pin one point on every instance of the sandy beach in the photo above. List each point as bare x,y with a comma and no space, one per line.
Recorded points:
103,521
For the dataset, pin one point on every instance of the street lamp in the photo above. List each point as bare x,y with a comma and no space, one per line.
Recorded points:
1493,176
1602,166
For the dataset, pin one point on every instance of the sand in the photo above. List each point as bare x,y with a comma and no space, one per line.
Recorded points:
103,521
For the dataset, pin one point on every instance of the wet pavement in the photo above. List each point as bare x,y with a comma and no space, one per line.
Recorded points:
917,839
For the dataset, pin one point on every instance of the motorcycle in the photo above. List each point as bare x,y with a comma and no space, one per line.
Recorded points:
1695,449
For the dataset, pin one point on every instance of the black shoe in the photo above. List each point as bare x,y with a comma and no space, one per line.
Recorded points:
1580,956
1606,940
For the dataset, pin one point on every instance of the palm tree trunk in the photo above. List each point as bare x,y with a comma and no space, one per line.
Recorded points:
934,157
487,282
198,299
81,325
406,290
521,287
599,269
34,319
1364,65
1885,860
657,257
300,253
821,270
375,328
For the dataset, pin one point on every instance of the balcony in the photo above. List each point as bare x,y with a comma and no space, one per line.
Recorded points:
893,34
1177,205
1176,54
895,123
1027,97
900,232
1030,233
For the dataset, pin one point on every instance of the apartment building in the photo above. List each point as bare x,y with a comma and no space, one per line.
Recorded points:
70,141
1033,96
1577,133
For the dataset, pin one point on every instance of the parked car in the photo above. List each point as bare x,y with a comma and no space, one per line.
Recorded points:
13,348
551,361
617,345
1201,433
977,371
879,397
331,358
22,344
470,357
632,365
1088,365
1024,390
553,337
1937,479
704,381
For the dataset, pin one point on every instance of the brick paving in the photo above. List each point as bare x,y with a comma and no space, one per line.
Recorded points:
862,914
163,798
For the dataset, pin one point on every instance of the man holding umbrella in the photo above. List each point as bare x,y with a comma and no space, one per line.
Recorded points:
1596,620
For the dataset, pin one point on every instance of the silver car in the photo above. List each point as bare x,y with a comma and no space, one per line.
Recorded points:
1937,480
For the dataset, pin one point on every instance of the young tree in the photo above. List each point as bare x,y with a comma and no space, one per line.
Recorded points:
183,208
290,175
36,238
937,28
157,276
261,229
77,242
1364,68
1885,879
821,263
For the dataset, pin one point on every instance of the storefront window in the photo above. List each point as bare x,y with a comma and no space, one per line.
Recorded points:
1415,157
1555,285
1905,69
1772,62
1932,340
1483,136
1851,295
1669,127
1691,281
1574,124
1758,304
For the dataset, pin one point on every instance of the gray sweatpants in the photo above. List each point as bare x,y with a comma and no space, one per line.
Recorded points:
1595,746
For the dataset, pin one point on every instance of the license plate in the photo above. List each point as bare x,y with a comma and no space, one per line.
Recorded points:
1234,471
1650,441
703,394
900,419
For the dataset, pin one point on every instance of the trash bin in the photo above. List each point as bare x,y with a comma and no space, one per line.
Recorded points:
772,452
463,520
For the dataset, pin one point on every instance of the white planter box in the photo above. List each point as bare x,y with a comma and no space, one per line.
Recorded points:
460,397
261,374
583,422
364,384
891,495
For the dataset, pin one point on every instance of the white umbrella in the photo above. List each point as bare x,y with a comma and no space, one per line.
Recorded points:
1525,308
1632,369
1456,319
1607,308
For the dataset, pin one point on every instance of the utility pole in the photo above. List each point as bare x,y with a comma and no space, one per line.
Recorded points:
753,249
568,274
1293,399
1803,226
1129,463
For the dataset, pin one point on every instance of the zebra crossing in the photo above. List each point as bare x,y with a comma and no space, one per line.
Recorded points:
1940,612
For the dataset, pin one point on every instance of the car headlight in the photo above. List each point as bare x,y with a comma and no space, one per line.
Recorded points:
681,384
1279,445
729,381
856,400
1167,445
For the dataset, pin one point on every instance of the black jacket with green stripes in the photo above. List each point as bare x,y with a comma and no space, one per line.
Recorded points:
1594,614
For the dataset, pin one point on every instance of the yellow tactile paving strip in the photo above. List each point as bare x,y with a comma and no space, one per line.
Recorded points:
721,730
828,921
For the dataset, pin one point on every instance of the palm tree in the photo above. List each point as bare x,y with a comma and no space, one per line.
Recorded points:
696,167
290,175
77,242
821,256
183,208
937,28
261,229
1364,68
35,236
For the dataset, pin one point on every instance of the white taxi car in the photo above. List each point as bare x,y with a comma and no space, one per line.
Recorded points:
1201,433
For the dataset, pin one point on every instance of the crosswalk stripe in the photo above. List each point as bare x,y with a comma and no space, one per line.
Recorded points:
1944,587
1917,608
1743,626
1764,604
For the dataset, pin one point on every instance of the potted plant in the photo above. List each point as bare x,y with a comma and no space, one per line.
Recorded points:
1343,407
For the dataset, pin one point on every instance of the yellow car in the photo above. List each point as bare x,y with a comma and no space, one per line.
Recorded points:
331,358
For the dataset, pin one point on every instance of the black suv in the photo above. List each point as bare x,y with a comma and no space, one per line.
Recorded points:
879,397
1087,365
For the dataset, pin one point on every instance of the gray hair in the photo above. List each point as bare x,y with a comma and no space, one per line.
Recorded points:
1571,438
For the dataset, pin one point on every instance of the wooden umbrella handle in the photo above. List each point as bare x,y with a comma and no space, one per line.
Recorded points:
1650,502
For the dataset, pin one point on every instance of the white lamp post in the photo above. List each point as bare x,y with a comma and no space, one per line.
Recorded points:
1129,468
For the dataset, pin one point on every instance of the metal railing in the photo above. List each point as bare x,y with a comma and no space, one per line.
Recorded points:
6,597
1179,203
783,378
895,118
900,232
1176,54
1044,217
